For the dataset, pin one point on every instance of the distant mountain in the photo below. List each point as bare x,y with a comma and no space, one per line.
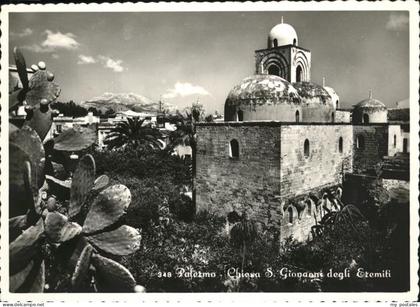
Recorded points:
121,102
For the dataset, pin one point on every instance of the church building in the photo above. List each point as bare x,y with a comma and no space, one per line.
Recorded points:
284,138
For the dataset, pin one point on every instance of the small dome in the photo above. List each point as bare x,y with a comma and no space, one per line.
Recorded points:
284,34
370,103
262,89
312,92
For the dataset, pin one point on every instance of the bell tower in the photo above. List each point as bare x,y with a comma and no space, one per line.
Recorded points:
283,57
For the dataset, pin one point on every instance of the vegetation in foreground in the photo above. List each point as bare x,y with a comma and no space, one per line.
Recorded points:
176,242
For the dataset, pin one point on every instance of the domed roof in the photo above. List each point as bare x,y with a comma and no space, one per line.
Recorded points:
370,103
312,90
284,33
263,89
330,91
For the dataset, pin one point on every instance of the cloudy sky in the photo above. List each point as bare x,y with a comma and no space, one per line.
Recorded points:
185,57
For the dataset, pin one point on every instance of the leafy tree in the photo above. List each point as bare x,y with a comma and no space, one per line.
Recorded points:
69,108
134,132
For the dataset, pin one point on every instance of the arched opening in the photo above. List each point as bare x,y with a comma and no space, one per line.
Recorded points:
275,43
298,73
234,149
365,118
395,140
294,42
340,145
360,142
306,148
274,70
240,115
333,117
297,118
290,215
336,104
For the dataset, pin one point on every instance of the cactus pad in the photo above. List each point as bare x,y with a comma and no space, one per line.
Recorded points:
28,140
15,98
38,282
110,276
101,182
23,249
16,225
75,139
107,208
19,278
82,266
122,241
60,188
19,194
21,67
40,88
40,121
83,179
58,229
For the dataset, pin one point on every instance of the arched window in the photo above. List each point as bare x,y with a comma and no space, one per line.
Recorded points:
365,119
297,118
240,115
360,142
306,148
275,43
395,140
290,214
274,70
333,117
234,149
340,145
336,104
298,73
294,41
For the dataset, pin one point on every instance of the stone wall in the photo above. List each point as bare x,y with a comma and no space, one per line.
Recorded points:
374,147
324,164
342,116
249,182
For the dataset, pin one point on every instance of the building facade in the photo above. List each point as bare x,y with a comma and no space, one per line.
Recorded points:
284,140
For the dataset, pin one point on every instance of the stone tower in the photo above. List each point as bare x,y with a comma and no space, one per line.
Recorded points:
283,57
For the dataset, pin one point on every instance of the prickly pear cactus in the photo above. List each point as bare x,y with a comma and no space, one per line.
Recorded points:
75,139
82,183
107,208
111,276
44,208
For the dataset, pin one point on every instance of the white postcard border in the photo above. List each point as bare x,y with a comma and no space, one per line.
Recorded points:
246,298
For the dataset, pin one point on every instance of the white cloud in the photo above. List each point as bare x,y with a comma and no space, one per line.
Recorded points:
397,22
86,59
59,40
185,89
54,42
115,65
25,32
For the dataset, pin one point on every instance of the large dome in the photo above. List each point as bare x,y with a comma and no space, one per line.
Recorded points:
312,92
261,90
334,96
370,103
283,34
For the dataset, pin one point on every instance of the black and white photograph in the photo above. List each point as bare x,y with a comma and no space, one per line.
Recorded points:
203,150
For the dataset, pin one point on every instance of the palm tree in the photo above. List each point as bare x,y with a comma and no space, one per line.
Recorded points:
134,132
184,133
